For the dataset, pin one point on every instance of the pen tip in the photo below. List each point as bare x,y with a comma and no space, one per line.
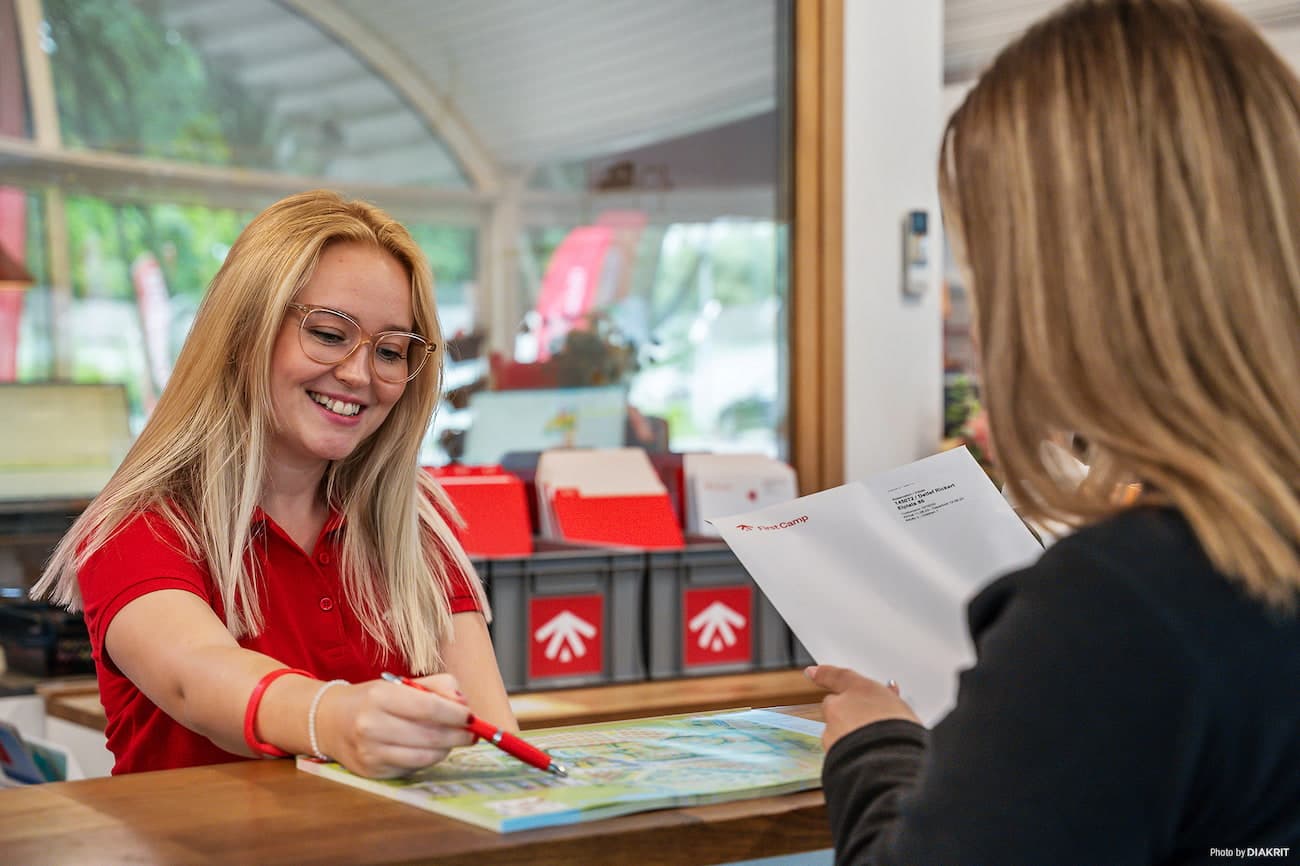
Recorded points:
557,770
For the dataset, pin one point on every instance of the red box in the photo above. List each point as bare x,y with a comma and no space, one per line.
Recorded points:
627,521
494,507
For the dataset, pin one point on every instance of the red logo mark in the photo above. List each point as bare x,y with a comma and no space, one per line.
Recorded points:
566,635
784,524
717,625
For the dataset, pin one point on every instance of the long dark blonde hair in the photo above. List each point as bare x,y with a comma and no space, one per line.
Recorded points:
200,460
1123,190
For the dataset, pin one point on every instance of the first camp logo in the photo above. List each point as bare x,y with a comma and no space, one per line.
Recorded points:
784,524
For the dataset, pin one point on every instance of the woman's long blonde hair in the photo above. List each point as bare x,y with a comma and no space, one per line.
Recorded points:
1123,189
200,460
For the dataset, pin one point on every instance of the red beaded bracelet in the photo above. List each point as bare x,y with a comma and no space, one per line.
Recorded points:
266,750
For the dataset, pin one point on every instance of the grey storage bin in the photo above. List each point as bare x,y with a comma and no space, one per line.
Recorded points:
557,593
704,573
802,658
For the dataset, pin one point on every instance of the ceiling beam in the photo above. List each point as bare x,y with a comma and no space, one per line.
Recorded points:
148,179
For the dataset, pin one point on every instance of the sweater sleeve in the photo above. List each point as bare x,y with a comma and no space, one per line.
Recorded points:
864,775
1070,742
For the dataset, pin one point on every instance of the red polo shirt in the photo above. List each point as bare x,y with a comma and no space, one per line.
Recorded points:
308,625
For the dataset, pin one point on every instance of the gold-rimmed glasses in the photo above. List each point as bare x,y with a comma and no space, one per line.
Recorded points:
330,337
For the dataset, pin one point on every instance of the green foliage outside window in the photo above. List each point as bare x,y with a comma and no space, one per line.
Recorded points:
127,84
453,257
189,241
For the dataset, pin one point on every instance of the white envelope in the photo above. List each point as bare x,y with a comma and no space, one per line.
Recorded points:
718,484
875,575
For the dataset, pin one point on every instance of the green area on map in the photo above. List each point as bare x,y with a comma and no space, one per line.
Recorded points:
615,768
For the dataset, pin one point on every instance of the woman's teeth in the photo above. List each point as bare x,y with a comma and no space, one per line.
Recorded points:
338,407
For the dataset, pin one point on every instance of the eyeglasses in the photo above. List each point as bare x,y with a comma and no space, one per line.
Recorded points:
330,337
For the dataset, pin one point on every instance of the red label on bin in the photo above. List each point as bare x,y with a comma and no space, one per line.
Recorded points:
565,635
717,625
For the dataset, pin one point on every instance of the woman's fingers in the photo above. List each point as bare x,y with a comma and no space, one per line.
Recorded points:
446,707
387,745
394,730
385,729
836,679
443,684
384,761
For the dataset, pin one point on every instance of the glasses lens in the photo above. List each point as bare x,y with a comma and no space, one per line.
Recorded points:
397,357
328,338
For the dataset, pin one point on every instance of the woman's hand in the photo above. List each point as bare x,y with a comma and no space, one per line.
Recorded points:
381,729
855,701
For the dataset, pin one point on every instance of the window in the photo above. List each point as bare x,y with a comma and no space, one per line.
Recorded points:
243,83
602,190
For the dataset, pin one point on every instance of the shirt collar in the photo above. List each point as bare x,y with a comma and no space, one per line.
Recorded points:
333,523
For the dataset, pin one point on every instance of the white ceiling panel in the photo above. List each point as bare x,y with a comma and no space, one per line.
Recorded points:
553,81
569,79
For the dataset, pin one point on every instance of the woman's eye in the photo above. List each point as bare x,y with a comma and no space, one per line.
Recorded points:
330,338
385,353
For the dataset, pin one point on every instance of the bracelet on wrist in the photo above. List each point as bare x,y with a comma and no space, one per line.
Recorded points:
311,717
258,747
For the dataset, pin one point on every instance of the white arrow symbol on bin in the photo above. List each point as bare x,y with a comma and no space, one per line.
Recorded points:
565,631
714,624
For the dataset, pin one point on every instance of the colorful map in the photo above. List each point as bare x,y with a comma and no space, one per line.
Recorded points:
615,768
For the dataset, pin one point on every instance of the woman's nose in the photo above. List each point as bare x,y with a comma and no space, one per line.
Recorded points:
355,368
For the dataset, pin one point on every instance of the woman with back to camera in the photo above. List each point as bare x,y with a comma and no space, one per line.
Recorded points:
1123,189
270,544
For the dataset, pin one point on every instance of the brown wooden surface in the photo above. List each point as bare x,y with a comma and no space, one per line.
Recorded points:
267,812
79,702
21,683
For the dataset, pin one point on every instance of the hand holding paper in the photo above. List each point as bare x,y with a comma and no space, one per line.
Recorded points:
874,576
855,701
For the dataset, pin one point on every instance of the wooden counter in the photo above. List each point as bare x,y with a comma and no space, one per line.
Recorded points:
267,812
79,702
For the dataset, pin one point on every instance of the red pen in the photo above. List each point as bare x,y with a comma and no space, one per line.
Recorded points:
502,739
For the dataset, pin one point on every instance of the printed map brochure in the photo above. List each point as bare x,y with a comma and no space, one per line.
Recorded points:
615,768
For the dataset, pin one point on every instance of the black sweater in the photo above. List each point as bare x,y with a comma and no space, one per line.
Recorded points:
1129,705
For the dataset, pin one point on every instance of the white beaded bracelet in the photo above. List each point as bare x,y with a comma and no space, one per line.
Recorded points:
311,717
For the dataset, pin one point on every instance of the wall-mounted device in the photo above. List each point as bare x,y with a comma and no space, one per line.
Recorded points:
916,253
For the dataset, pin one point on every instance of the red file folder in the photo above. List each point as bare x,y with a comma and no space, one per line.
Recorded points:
668,465
634,521
492,503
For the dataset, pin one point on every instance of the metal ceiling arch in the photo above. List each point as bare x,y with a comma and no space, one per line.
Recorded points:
393,66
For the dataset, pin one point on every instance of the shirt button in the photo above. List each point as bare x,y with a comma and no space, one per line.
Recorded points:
324,558
327,603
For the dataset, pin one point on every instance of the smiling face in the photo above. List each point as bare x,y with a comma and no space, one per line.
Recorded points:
325,411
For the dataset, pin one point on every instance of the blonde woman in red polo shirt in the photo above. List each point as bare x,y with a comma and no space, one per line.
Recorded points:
269,545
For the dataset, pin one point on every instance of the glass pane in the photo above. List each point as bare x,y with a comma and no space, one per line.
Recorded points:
14,118
654,246
242,83
690,318
453,257
34,352
16,217
138,274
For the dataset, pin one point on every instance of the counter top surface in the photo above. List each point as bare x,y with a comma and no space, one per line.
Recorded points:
77,700
267,812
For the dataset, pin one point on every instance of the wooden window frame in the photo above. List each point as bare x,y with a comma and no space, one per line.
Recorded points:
817,293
